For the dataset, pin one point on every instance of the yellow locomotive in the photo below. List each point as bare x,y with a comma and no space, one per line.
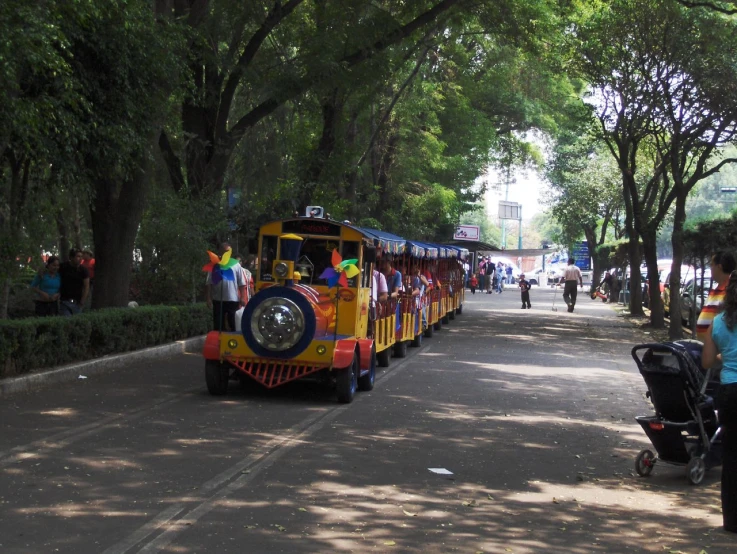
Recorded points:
316,311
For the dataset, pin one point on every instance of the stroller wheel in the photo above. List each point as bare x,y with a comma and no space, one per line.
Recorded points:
644,463
695,470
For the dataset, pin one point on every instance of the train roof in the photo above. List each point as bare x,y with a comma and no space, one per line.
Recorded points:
390,243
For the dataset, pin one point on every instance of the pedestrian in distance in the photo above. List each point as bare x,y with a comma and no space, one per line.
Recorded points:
46,284
75,284
490,275
572,277
474,282
524,287
721,342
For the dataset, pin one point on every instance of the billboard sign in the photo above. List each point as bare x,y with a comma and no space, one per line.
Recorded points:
467,232
509,210
581,253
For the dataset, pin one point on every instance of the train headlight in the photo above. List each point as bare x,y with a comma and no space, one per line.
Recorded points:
282,270
277,323
321,349
232,343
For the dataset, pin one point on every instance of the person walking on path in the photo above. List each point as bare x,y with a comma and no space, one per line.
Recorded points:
490,275
722,265
75,284
573,277
722,339
525,286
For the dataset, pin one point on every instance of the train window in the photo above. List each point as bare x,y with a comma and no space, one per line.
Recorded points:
320,252
350,252
268,255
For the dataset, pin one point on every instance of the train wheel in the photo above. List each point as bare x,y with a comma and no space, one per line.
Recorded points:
216,377
346,382
452,314
446,319
438,325
400,349
417,341
459,309
383,357
366,382
429,331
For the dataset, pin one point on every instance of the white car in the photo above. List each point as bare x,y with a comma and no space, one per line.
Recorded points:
536,276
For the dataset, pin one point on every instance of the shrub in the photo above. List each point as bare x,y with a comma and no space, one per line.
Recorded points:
46,342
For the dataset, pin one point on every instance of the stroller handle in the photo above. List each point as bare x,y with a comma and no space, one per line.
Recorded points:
650,345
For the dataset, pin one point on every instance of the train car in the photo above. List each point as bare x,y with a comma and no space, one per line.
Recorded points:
455,277
316,312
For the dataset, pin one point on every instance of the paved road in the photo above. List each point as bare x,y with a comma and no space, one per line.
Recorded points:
531,410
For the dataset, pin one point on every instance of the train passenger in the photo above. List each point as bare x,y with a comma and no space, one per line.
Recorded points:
379,292
393,278
419,286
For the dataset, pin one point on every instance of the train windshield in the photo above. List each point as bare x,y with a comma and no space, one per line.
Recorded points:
319,252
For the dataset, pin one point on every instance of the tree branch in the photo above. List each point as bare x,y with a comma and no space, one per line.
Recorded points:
277,14
269,105
393,103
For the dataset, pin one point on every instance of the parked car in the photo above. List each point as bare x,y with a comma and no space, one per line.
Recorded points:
693,297
536,276
687,272
555,273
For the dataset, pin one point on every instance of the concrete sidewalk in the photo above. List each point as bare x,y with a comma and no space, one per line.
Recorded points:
79,370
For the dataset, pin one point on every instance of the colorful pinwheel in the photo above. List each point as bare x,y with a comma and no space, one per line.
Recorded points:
221,268
341,271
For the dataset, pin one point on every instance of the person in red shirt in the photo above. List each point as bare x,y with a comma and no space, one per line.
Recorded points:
88,262
473,282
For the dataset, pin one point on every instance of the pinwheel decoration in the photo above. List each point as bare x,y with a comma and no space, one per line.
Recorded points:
341,271
221,268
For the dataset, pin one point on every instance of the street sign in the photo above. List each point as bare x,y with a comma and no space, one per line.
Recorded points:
509,210
581,254
467,232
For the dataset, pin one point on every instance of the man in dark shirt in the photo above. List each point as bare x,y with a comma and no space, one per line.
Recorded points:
75,284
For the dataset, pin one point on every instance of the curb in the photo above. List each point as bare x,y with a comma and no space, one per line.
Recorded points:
70,372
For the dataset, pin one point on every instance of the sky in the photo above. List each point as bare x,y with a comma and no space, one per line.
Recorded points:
526,189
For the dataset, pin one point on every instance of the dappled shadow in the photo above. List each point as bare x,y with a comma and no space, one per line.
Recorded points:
532,414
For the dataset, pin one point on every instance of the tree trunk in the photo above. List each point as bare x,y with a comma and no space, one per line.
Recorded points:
655,303
633,249
61,229
332,110
675,330
596,271
117,210
5,299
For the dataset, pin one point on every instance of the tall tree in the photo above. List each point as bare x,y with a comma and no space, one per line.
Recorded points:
586,191
638,56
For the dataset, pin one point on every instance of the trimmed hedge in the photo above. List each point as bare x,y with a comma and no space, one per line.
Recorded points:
45,342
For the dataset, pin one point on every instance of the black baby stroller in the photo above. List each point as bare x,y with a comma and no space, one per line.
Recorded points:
684,429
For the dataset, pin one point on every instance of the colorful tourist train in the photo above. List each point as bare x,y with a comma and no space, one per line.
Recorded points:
317,314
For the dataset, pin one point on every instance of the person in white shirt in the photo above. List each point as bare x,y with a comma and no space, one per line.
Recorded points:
572,277
226,297
247,277
379,292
